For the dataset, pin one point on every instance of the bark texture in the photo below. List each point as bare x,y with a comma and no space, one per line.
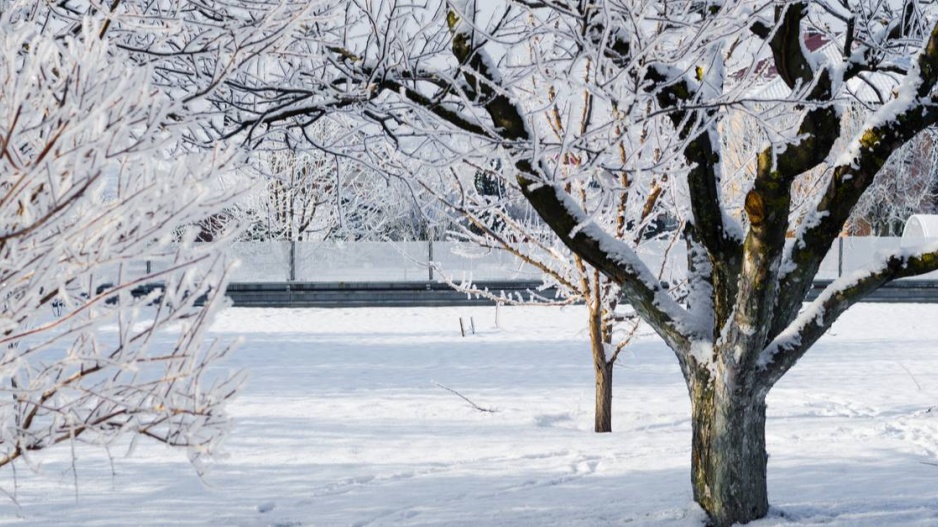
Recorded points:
603,398
728,452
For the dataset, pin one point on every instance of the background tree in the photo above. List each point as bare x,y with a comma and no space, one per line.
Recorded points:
96,345
298,200
451,80
907,185
492,214
318,193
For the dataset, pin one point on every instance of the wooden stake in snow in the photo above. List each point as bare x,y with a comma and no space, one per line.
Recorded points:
462,328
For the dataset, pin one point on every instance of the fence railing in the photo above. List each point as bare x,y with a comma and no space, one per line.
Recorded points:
331,261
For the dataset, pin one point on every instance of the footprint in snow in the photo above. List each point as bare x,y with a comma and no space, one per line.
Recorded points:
267,506
549,420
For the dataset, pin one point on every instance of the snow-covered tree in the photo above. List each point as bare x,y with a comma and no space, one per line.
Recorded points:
104,298
450,78
311,194
907,185
298,201
491,212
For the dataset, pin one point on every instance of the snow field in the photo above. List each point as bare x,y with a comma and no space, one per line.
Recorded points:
341,422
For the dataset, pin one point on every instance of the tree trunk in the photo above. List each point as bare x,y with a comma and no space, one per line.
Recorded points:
603,398
603,370
729,458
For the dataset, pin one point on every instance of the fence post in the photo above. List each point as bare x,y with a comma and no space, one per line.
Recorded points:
430,259
292,260
840,256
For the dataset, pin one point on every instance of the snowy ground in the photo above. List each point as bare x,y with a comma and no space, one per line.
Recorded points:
341,424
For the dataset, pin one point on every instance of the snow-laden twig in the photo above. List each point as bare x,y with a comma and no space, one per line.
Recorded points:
97,179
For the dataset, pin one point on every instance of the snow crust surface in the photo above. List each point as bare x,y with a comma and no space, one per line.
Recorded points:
341,423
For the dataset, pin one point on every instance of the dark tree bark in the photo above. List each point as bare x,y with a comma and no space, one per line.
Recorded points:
728,468
603,421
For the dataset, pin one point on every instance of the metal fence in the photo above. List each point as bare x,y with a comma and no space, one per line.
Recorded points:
332,261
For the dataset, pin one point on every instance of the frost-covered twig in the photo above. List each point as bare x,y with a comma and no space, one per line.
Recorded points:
464,398
97,178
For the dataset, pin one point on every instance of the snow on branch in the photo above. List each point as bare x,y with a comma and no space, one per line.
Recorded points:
913,109
782,353
619,261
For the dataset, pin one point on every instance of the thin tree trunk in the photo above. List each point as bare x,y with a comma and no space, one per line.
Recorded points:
604,398
603,370
729,457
